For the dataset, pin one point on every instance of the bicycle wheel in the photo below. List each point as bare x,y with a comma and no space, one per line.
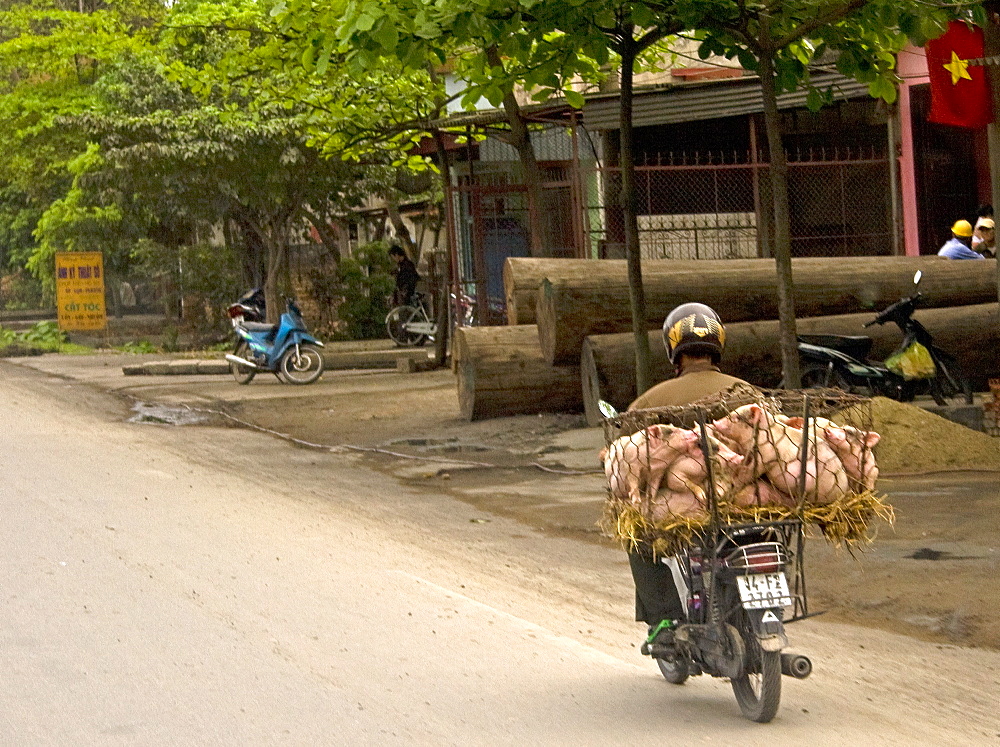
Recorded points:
242,374
396,325
950,386
758,689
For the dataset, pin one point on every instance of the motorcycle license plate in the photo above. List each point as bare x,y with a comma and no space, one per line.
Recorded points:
764,590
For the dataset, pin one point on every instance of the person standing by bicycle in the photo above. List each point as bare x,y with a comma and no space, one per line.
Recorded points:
695,338
406,274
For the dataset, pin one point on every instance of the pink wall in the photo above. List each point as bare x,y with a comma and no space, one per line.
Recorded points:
912,67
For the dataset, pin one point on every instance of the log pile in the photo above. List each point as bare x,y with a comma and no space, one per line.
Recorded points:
607,362
569,341
595,299
521,281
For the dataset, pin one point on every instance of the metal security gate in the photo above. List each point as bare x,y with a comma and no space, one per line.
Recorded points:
715,206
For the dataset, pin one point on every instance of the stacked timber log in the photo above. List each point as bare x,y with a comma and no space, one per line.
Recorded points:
591,297
501,371
522,277
607,362
540,362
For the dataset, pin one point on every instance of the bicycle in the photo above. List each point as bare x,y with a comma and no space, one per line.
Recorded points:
411,325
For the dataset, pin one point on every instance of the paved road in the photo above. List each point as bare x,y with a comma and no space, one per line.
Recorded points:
201,585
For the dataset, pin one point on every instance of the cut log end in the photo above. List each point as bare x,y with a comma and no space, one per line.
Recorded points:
500,372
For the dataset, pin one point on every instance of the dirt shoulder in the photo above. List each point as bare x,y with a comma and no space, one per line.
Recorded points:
932,575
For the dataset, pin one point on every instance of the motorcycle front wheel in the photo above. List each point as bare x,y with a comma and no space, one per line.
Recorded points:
396,325
758,689
242,374
301,364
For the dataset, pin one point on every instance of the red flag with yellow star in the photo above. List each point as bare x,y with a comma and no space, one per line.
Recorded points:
960,93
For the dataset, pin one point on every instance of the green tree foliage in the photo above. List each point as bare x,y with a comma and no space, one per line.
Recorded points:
158,126
365,284
539,44
50,55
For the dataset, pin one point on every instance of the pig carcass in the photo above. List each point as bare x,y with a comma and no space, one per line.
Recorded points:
854,448
686,485
667,465
773,449
636,464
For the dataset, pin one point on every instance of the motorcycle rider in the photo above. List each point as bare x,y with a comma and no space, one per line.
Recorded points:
694,338
406,274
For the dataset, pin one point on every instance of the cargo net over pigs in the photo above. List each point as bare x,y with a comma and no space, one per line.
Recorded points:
771,456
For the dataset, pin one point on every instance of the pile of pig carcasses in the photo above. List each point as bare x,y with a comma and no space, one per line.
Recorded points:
742,456
569,341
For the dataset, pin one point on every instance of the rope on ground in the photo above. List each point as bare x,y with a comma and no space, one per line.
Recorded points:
377,449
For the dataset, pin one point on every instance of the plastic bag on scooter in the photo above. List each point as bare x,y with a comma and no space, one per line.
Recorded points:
912,362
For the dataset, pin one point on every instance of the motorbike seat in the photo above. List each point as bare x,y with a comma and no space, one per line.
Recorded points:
270,330
856,346
260,327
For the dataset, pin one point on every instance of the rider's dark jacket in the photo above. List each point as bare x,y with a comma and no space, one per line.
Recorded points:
406,279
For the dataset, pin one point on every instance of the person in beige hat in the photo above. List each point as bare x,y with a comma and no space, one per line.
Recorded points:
984,237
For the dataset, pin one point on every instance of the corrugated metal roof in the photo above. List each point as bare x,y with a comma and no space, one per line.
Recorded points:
709,100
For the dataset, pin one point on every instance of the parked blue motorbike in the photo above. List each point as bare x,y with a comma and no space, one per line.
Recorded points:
285,349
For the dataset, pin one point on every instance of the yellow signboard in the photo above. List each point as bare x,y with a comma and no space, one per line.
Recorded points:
80,290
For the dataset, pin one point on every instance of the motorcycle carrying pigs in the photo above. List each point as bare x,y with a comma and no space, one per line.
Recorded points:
724,492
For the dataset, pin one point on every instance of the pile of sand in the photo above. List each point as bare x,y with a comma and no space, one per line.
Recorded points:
914,440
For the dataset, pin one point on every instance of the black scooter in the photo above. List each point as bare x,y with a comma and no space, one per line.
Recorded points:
252,305
840,361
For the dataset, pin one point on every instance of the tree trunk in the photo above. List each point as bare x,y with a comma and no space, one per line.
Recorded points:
636,295
588,297
752,351
275,260
255,250
401,231
276,249
501,372
114,289
444,165
521,141
329,237
782,249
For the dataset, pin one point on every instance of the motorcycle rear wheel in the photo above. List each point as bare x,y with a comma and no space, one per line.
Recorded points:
758,689
819,376
950,386
242,374
301,364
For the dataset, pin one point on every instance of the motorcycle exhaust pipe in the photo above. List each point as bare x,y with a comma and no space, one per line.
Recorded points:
796,665
240,361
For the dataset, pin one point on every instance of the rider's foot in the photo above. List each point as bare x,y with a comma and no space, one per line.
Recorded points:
660,641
